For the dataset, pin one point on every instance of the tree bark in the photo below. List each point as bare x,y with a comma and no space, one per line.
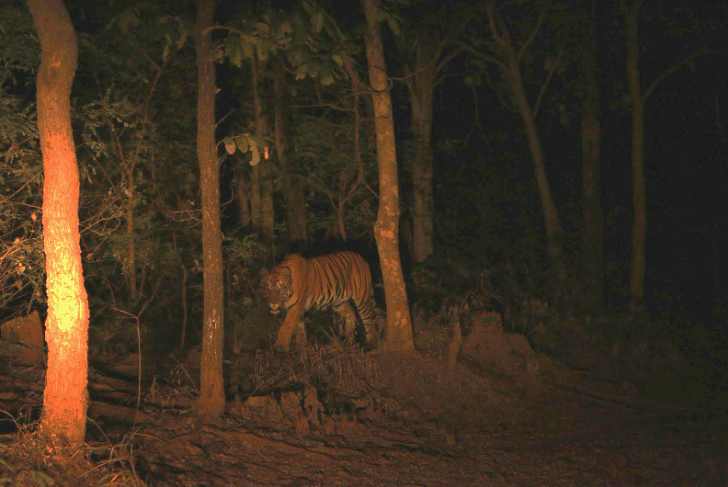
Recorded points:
211,403
554,231
421,86
242,195
591,136
263,175
292,191
65,399
639,196
511,66
386,229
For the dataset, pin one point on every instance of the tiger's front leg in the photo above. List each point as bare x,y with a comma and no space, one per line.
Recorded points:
290,325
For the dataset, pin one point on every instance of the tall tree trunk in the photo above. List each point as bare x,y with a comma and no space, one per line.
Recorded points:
554,232
639,197
242,195
211,403
262,171
386,229
255,190
65,398
591,137
511,66
422,94
293,192
256,201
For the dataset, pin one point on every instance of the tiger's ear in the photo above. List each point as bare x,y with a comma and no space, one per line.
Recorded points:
264,273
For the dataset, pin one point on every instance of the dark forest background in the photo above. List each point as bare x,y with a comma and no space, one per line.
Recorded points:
134,120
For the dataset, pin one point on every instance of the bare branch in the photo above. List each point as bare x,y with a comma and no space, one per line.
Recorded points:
672,70
532,36
486,57
546,83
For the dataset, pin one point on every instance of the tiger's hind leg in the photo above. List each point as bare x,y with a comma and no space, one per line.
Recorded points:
367,315
347,313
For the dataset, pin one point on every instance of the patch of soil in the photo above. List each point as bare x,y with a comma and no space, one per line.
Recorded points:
501,415
557,438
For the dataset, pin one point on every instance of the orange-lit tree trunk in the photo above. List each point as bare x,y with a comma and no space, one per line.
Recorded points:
211,403
65,398
386,229
639,195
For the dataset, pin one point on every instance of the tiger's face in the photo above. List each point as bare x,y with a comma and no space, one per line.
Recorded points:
277,288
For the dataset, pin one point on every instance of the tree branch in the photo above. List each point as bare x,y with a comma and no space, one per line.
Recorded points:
532,36
546,83
672,70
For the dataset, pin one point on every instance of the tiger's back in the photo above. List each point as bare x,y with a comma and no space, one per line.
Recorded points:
341,281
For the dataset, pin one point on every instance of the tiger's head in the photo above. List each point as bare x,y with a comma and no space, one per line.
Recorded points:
277,288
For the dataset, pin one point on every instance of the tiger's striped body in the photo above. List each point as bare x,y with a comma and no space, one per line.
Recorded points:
341,281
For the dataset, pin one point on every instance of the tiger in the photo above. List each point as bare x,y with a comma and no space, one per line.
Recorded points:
342,281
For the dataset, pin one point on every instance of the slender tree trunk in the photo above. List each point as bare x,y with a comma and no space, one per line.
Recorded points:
254,194
264,173
386,229
242,195
593,236
211,403
65,398
131,277
422,95
295,204
639,224
554,232
511,66
591,137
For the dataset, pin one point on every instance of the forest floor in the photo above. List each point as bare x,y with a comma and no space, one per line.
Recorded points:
499,416
564,441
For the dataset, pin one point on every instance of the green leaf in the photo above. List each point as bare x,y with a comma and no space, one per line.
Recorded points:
283,29
248,50
314,66
393,25
242,142
299,30
296,56
255,140
301,72
261,47
326,75
232,50
229,145
256,154
318,21
127,19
